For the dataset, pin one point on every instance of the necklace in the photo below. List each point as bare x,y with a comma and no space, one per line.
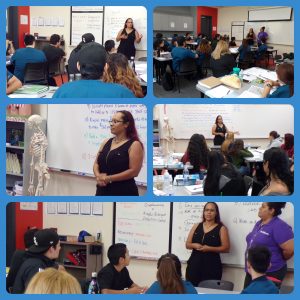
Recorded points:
119,141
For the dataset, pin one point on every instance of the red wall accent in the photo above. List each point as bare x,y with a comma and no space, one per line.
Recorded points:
25,218
207,11
23,10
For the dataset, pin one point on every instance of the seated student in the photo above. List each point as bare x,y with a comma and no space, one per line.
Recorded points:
91,63
53,51
199,38
222,177
26,55
225,147
180,53
167,46
232,42
10,49
196,153
238,153
12,83
109,46
114,277
262,49
169,277
280,180
243,50
52,281
41,255
258,262
222,61
203,50
117,70
73,59
285,83
158,46
215,41
18,257
188,37
275,140
288,145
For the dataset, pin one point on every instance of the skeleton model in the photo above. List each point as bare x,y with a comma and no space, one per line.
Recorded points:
168,135
38,146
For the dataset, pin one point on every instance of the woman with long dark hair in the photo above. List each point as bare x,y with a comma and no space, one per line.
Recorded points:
196,153
207,240
222,178
288,145
280,180
120,158
275,234
127,37
169,277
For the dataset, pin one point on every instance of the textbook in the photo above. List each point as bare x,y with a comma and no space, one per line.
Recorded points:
210,82
32,90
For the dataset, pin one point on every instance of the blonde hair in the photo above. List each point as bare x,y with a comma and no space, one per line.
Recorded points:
221,49
230,136
119,71
225,146
52,281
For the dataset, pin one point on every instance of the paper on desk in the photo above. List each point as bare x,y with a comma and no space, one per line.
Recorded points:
143,77
249,77
194,189
157,192
218,92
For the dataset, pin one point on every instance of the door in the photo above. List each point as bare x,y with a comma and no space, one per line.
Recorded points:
206,26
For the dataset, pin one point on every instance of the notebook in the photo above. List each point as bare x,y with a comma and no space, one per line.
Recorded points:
218,92
194,189
32,90
210,82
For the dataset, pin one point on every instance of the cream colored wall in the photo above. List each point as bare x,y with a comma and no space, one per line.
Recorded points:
240,13
141,271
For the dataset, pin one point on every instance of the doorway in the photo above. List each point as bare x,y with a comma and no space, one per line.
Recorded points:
206,26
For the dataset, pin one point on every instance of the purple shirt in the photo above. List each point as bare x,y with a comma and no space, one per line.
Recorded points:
271,235
261,34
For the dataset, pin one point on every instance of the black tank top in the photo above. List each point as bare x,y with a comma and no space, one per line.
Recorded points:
218,140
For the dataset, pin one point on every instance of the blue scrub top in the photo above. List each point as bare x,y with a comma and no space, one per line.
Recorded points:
179,54
281,92
156,289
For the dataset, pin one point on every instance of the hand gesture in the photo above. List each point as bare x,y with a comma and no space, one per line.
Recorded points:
124,36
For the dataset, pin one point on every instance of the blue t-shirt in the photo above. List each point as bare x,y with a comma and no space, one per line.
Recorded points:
179,54
92,89
23,56
281,92
9,75
243,51
261,50
261,285
155,288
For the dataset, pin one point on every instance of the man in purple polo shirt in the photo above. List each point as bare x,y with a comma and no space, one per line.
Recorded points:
277,236
262,34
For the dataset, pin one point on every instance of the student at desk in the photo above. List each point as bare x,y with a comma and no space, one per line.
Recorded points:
284,84
262,49
222,61
244,49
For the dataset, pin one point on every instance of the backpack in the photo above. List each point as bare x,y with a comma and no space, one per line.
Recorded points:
167,82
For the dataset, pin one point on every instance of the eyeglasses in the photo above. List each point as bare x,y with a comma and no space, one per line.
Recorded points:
129,22
115,121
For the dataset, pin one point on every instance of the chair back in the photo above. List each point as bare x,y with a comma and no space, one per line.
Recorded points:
187,66
36,73
54,67
248,182
217,284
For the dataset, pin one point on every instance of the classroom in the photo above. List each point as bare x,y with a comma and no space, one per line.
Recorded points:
223,52
223,149
54,149
83,248
76,51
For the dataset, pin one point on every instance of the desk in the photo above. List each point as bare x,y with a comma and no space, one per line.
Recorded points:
160,64
191,45
257,156
141,72
47,94
201,290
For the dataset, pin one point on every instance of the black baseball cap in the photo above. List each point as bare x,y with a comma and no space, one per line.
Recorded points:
93,53
43,240
88,37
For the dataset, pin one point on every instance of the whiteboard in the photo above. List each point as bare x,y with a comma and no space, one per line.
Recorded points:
86,22
252,121
143,227
278,32
237,31
238,217
87,8
114,20
75,132
270,14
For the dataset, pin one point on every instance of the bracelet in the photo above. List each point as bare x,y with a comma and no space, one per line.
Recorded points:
108,179
269,85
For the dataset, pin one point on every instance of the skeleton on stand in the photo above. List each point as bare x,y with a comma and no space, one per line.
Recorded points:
168,136
37,149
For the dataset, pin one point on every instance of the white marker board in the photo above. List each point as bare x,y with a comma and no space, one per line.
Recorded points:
143,227
252,121
114,20
75,132
238,217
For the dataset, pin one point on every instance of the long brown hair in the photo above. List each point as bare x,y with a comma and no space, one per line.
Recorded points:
285,73
119,71
169,274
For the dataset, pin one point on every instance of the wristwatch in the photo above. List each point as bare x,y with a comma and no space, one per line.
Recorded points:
269,85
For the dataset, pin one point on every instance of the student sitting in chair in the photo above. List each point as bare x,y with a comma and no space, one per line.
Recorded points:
114,277
258,262
262,49
232,42
243,50
180,53
284,84
109,46
203,51
91,62
26,55
53,51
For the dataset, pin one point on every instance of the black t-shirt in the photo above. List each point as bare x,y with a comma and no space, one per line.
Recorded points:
53,54
110,278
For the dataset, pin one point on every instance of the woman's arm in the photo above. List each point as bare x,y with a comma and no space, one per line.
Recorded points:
287,249
213,131
189,244
225,244
96,166
136,155
120,36
12,85
138,37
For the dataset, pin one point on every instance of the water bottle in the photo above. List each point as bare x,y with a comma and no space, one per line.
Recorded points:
132,63
71,78
185,175
166,181
241,75
93,287
77,76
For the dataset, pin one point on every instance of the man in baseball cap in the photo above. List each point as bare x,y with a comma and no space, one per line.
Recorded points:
91,62
41,255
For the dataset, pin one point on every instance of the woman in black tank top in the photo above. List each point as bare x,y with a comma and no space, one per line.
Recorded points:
119,159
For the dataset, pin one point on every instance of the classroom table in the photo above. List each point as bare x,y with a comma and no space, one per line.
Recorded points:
257,156
234,50
159,163
47,94
191,45
141,72
161,63
178,190
201,290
